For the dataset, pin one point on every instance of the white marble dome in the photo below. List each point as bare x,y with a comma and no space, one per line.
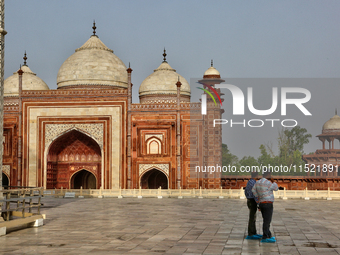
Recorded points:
30,81
93,64
211,71
332,125
163,82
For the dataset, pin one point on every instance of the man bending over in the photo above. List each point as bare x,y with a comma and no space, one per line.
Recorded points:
263,190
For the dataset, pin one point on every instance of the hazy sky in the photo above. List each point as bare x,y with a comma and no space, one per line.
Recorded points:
246,39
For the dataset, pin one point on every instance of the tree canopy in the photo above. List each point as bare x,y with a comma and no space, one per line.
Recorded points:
290,150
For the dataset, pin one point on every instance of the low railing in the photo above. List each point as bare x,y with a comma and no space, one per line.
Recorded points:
188,193
22,203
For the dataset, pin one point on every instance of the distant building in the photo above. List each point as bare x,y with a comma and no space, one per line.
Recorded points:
87,133
325,162
323,166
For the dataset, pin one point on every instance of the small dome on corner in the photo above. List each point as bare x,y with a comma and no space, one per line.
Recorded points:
30,81
332,125
212,72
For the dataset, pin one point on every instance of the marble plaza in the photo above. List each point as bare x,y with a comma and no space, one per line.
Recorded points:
175,226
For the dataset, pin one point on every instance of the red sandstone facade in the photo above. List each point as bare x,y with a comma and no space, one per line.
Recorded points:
92,135
74,150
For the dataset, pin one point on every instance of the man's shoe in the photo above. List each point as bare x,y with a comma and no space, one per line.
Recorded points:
269,240
254,237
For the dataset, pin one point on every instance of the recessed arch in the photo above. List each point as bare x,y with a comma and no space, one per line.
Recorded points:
154,145
153,179
69,153
83,178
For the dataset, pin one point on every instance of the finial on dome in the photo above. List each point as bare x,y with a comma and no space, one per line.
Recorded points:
94,28
212,63
336,111
25,58
129,70
20,71
164,56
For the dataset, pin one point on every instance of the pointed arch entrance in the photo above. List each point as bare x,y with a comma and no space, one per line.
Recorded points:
5,180
153,179
83,178
67,155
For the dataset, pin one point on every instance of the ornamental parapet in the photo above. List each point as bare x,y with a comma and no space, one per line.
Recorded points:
173,106
104,92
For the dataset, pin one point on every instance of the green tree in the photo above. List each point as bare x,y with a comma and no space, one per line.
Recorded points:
291,143
248,161
265,158
229,159
295,139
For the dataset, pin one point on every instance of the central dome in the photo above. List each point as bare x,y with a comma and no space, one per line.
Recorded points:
93,64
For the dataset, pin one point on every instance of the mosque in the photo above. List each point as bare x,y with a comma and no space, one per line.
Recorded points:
88,133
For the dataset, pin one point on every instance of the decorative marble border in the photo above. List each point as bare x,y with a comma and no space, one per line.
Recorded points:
96,131
145,167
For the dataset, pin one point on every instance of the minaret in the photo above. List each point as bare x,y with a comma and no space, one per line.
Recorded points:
178,136
210,78
129,141
2,61
212,138
19,175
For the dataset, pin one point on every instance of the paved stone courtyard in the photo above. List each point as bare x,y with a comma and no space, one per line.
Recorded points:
175,226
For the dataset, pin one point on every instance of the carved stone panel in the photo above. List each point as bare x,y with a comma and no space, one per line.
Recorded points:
145,167
52,131
6,169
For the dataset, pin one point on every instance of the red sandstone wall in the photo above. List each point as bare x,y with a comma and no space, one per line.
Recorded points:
290,183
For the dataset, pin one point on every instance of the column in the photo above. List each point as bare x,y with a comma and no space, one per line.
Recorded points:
20,72
2,61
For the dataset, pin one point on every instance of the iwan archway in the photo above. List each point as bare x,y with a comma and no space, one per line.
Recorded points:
153,179
67,158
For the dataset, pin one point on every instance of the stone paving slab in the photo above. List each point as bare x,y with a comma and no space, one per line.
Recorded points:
173,226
